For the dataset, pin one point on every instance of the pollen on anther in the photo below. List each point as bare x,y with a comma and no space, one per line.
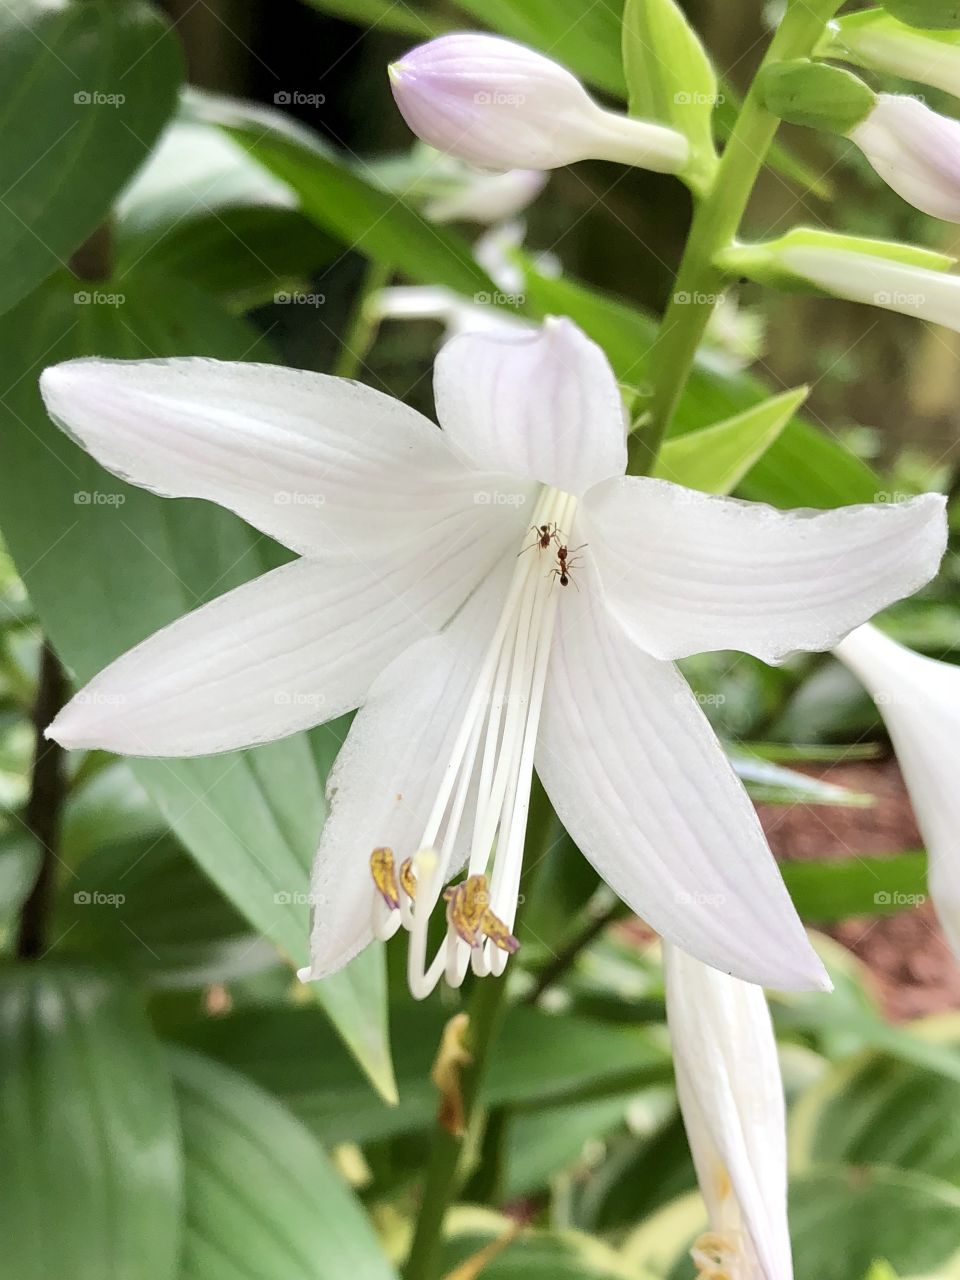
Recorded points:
383,869
469,914
408,880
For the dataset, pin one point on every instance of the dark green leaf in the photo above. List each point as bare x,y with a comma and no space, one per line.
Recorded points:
85,89
533,1255
89,1130
385,15
825,891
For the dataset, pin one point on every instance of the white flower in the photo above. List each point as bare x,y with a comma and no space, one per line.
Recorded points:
919,699
875,39
500,105
436,589
487,197
731,1096
915,151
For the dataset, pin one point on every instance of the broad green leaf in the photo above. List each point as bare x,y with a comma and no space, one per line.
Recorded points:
670,78
107,808
545,1141
261,1198
878,1110
343,198
717,458
384,15
841,1222
835,890
538,1057
638,1176
92,1157
529,1255
802,468
84,91
146,908
251,819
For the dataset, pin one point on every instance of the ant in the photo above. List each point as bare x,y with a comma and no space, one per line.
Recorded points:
545,534
565,563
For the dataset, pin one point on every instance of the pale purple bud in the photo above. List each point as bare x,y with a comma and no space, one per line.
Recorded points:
499,105
915,151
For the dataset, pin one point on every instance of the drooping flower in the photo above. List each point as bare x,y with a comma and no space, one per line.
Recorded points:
496,594
500,105
487,198
916,151
919,700
876,39
731,1097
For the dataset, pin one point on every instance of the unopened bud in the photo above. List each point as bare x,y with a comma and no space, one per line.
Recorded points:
915,151
499,105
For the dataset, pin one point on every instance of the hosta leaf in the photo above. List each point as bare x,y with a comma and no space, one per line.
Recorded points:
89,1130
84,91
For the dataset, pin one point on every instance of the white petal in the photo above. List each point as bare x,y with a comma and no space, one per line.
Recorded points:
641,783
543,405
916,151
388,773
687,572
322,464
731,1095
919,699
294,648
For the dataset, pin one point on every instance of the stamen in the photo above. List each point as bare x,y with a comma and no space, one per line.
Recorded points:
715,1255
385,877
408,881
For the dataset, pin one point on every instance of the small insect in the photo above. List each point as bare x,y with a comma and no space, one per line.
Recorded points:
565,562
545,534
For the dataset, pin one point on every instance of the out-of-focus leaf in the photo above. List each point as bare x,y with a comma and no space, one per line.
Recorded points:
89,1130
343,199
717,458
770,783
85,89
545,1141
261,1198
639,1176
529,1255
251,819
538,1057
879,1110
107,808
384,15
862,886
145,907
802,468
20,858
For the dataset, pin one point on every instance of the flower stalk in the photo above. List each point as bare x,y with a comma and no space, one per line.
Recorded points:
699,283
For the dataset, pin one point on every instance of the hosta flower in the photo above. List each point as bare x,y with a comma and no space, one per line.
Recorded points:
731,1096
874,38
486,197
498,596
919,700
500,105
915,151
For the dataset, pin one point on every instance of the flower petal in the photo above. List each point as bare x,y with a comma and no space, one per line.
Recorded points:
688,573
641,783
543,405
731,1096
320,463
294,648
388,774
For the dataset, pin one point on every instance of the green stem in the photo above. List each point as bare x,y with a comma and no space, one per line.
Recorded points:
699,283
362,329
485,1009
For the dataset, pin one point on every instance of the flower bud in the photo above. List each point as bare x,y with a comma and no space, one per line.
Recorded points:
915,151
486,197
876,40
499,105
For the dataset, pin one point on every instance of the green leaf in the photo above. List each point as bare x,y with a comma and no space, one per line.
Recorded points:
670,79
936,15
385,15
533,1255
878,1110
538,1058
342,198
20,858
261,1197
770,783
85,89
717,458
251,819
802,468
835,890
89,1130
107,808
872,38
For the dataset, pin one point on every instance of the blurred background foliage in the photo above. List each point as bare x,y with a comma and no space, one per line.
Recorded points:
174,1105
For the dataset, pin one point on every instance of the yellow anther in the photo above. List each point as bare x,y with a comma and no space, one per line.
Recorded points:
468,911
714,1255
408,881
385,877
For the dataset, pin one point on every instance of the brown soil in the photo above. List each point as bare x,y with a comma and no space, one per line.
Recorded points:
914,971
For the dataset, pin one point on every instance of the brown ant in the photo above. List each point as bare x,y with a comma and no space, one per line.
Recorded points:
565,563
545,534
